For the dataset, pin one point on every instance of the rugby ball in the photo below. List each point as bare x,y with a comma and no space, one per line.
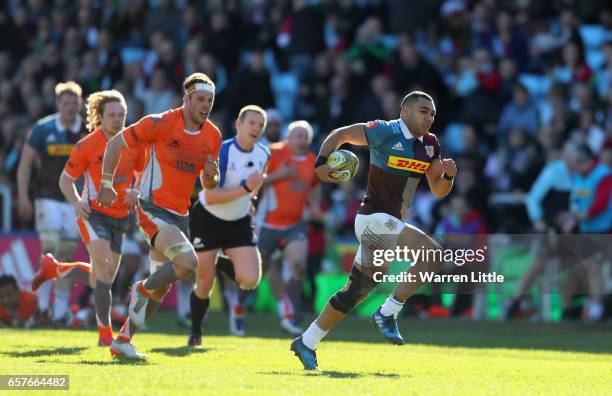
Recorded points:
344,163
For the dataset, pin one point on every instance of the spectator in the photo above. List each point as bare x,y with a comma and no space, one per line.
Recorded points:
250,84
274,125
411,71
302,35
591,212
512,170
158,97
461,228
520,113
369,53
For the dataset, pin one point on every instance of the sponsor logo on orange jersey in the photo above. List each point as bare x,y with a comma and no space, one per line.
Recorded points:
408,164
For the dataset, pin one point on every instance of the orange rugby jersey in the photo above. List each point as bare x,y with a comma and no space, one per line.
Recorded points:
175,157
287,197
86,158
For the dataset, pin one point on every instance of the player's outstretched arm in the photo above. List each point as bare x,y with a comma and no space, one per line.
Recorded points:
352,134
440,176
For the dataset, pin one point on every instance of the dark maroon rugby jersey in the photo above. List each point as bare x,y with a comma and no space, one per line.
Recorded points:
398,161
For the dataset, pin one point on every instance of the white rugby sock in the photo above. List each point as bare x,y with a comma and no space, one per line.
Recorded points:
313,335
391,307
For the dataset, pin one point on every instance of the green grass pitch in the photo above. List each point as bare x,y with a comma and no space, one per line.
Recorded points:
442,357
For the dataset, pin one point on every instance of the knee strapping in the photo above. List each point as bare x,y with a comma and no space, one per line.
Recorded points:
182,247
50,241
345,300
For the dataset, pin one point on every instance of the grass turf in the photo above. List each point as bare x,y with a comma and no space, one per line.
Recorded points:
441,357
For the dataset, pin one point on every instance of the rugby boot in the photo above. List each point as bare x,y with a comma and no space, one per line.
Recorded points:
307,356
387,325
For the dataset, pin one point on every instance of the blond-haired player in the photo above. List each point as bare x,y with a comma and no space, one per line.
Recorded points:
101,228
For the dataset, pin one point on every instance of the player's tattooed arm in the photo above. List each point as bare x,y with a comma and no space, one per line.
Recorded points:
440,176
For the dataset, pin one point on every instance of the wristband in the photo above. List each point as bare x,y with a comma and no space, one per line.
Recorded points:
321,160
106,183
447,177
243,185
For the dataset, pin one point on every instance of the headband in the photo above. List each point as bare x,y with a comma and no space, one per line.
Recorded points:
200,86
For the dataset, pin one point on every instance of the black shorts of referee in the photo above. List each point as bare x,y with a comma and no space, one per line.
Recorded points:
209,232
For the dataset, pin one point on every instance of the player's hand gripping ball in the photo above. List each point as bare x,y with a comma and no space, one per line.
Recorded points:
344,163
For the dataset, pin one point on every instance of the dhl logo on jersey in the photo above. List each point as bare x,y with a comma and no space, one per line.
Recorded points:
59,150
408,164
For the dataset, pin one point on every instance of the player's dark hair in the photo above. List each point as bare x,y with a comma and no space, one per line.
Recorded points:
414,96
8,280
